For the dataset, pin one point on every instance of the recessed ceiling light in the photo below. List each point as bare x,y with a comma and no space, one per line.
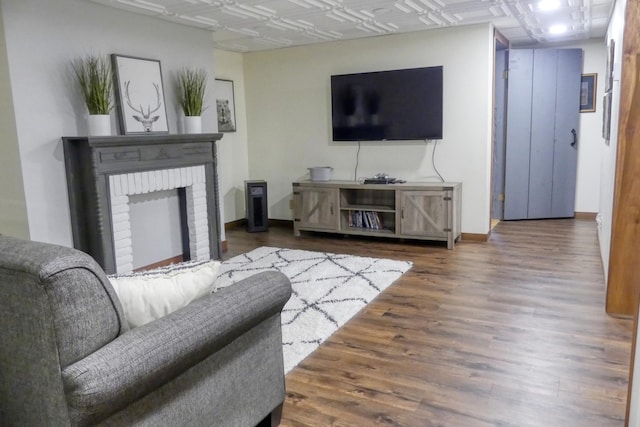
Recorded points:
558,29
548,4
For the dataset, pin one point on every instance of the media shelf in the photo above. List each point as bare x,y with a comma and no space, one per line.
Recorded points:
375,208
367,211
426,211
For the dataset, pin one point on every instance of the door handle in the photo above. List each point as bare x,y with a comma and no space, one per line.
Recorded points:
575,138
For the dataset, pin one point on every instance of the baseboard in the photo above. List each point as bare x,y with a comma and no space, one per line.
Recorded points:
173,260
239,223
224,246
281,222
586,215
242,222
468,237
474,237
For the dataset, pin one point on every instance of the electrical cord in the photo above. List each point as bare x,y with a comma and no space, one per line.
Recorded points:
433,159
355,172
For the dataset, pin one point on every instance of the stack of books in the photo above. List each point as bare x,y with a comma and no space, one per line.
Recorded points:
365,219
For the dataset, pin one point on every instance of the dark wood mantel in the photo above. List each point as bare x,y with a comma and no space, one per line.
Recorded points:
89,162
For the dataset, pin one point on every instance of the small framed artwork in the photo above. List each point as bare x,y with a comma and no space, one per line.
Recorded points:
606,117
611,54
225,105
588,85
139,95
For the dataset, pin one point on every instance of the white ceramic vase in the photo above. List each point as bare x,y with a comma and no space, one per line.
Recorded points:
99,125
193,124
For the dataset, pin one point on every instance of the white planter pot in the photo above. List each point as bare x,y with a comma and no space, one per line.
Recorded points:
193,124
99,125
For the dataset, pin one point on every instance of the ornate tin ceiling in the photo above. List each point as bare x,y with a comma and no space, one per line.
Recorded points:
252,25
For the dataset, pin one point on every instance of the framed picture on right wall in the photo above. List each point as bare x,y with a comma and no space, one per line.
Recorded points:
608,89
588,85
611,51
606,117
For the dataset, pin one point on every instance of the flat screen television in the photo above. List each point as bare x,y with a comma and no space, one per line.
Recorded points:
387,105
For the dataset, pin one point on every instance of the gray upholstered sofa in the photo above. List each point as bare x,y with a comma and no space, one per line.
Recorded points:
67,358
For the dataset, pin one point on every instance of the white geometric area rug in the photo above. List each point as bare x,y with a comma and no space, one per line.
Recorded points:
328,289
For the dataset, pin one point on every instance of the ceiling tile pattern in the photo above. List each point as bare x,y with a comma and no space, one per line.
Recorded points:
252,25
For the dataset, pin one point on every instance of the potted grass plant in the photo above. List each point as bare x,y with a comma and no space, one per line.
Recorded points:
192,84
94,77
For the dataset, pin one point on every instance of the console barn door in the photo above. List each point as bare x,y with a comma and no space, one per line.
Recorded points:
543,110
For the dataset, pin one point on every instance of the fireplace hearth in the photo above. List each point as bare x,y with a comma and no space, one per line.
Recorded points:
102,172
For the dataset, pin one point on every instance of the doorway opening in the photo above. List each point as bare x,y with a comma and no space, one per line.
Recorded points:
499,129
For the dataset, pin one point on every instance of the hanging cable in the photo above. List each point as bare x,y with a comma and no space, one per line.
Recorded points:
433,159
355,172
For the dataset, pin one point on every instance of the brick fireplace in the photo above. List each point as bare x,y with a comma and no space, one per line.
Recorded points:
102,172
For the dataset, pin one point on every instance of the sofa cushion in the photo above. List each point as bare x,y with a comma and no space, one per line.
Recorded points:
149,295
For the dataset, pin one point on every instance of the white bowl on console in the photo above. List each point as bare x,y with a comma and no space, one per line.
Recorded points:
320,173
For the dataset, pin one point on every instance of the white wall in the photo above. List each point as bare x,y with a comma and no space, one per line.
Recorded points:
609,152
289,114
591,142
13,208
42,38
233,157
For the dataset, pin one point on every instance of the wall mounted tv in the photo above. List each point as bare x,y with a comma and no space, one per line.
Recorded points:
387,105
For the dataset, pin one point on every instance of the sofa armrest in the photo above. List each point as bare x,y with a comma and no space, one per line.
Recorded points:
144,358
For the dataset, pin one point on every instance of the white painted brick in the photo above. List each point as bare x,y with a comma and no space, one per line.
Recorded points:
122,244
137,184
114,186
121,235
120,200
203,255
192,178
153,186
124,250
183,177
119,208
123,225
131,183
122,217
122,182
165,179
124,267
145,182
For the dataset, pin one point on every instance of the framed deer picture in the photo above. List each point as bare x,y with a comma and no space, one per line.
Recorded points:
139,95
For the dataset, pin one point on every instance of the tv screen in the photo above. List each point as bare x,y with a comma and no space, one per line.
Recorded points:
387,105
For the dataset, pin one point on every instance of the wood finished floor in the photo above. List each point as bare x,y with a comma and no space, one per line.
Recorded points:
511,332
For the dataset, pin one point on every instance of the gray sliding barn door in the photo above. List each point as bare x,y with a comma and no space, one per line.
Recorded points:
543,110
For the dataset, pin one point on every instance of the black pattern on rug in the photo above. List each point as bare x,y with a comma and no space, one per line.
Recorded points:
327,290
